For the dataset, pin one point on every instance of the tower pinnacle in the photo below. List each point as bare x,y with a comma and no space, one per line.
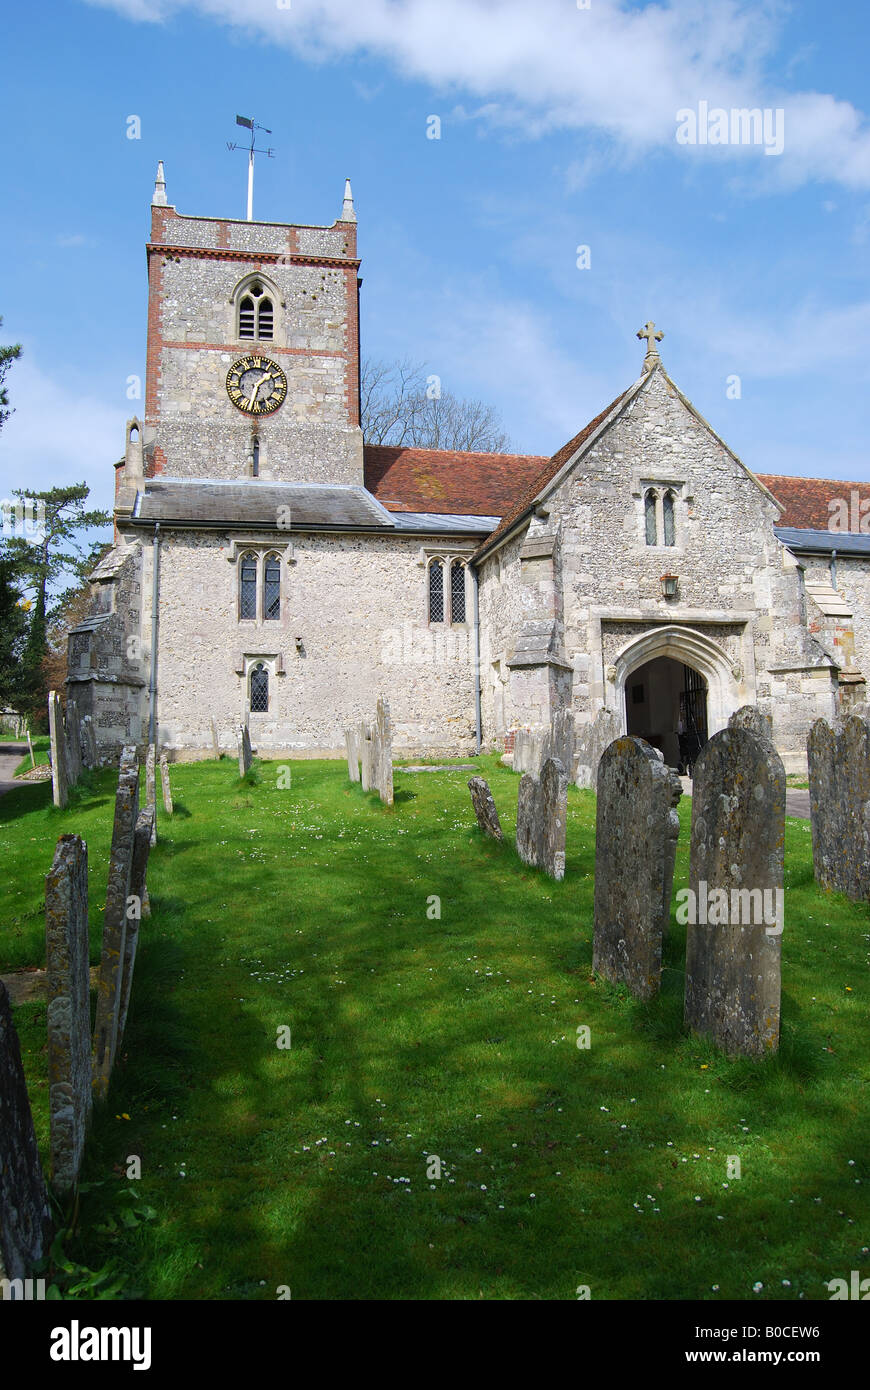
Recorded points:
159,198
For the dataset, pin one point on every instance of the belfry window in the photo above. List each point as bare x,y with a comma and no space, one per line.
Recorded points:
272,589
650,519
259,689
248,587
256,314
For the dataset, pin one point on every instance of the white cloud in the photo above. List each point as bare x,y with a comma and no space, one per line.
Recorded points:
58,435
539,65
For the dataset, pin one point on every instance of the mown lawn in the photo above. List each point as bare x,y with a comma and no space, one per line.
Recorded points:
412,1036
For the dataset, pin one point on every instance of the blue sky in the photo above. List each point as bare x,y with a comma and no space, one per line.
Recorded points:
557,131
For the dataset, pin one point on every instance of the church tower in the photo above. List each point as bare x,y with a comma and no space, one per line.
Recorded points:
253,349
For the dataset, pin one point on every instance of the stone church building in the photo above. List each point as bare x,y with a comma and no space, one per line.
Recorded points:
270,568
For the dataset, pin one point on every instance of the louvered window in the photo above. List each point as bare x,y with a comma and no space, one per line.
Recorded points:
259,689
436,592
247,318
272,589
248,588
457,592
264,318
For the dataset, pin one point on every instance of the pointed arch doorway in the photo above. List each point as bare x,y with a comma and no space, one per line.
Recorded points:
666,704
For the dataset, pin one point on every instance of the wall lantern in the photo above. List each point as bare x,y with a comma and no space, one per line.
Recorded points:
669,585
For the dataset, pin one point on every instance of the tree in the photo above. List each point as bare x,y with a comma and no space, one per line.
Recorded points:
403,406
42,563
13,631
8,355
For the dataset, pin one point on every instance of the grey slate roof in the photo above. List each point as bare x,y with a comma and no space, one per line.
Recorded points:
312,506
844,542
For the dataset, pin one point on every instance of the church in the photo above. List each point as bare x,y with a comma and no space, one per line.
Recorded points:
270,568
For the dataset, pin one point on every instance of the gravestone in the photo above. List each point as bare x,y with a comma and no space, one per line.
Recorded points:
484,807
591,740
750,717
558,741
553,809
165,784
636,830
245,753
57,739
738,832
115,923
528,747
25,1217
151,787
138,907
351,738
529,820
73,745
215,741
90,757
367,768
384,749
68,1012
838,760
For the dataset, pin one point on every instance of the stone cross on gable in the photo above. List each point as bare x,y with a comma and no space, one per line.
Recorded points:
652,336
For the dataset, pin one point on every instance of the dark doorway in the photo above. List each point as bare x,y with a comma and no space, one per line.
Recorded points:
666,704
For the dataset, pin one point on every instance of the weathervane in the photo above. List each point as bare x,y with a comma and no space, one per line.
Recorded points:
251,126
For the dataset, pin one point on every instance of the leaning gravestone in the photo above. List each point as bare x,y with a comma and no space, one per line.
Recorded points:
57,738
25,1217
351,738
166,785
384,752
529,820
838,760
245,753
367,767
484,808
733,945
751,718
68,1013
138,908
115,923
151,787
636,832
591,740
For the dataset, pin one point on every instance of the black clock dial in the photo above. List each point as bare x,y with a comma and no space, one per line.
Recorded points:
256,385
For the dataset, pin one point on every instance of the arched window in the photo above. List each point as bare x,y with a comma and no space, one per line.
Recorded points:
256,314
272,589
649,514
248,587
668,518
436,591
259,689
457,592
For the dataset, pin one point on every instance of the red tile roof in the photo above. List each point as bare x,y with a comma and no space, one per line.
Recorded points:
445,480
806,499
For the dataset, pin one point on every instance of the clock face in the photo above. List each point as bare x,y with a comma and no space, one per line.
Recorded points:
256,385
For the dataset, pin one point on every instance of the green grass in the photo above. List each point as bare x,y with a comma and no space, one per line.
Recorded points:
415,1036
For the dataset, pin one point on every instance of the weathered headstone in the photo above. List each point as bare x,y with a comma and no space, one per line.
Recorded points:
115,924
529,820
734,926
484,807
838,760
68,1013
351,737
384,745
750,717
367,769
553,808
73,743
558,741
165,784
528,747
138,906
57,739
215,741
25,1217
636,832
151,787
90,757
591,740
245,753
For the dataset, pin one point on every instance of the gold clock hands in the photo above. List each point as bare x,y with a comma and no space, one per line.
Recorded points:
265,377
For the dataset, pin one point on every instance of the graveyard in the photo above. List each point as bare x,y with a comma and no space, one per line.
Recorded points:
460,1107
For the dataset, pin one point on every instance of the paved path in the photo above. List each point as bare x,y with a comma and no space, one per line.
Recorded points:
10,756
797,800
